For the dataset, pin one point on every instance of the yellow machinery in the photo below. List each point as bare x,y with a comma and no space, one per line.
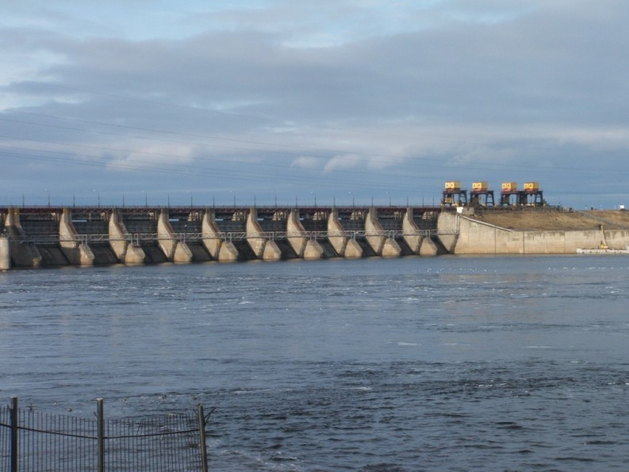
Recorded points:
480,186
509,186
453,195
453,186
481,195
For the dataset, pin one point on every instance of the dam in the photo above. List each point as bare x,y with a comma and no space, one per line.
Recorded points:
522,224
86,236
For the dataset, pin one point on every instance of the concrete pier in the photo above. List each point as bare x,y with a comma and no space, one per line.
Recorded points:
263,248
377,238
214,240
75,251
175,250
121,242
342,244
412,234
304,246
23,253
5,255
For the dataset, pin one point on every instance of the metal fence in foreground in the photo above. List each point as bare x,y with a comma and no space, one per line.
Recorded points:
32,441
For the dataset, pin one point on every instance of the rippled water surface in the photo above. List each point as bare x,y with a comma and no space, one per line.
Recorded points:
445,363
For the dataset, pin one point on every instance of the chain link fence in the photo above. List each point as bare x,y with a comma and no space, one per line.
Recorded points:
33,441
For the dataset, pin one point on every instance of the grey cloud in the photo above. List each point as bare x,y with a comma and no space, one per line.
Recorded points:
537,88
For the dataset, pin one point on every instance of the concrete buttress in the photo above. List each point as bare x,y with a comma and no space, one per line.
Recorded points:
344,246
412,234
175,251
23,254
377,239
264,249
120,241
214,240
5,255
77,252
303,246
428,248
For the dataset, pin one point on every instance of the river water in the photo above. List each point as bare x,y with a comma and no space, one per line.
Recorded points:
447,363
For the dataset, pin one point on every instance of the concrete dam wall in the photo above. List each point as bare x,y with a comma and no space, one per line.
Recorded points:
86,236
469,233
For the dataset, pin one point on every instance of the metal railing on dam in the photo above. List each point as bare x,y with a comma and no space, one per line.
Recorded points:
43,236
138,238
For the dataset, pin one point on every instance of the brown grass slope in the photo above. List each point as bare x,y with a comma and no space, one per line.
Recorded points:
554,220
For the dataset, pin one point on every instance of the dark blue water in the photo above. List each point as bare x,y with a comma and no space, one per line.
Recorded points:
449,363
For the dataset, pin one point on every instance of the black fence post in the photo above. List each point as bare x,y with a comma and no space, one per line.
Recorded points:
14,434
202,440
101,434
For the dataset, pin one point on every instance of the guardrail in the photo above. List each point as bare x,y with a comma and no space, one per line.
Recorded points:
137,238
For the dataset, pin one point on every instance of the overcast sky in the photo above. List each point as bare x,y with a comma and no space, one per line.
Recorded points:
339,100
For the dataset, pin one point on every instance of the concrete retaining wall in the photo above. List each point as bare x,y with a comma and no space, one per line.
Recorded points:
475,237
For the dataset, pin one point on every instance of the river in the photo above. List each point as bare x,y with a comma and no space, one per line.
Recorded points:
446,363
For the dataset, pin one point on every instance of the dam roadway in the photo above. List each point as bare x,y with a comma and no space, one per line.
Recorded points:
46,236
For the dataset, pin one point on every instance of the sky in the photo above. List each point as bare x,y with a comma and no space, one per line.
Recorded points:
300,102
